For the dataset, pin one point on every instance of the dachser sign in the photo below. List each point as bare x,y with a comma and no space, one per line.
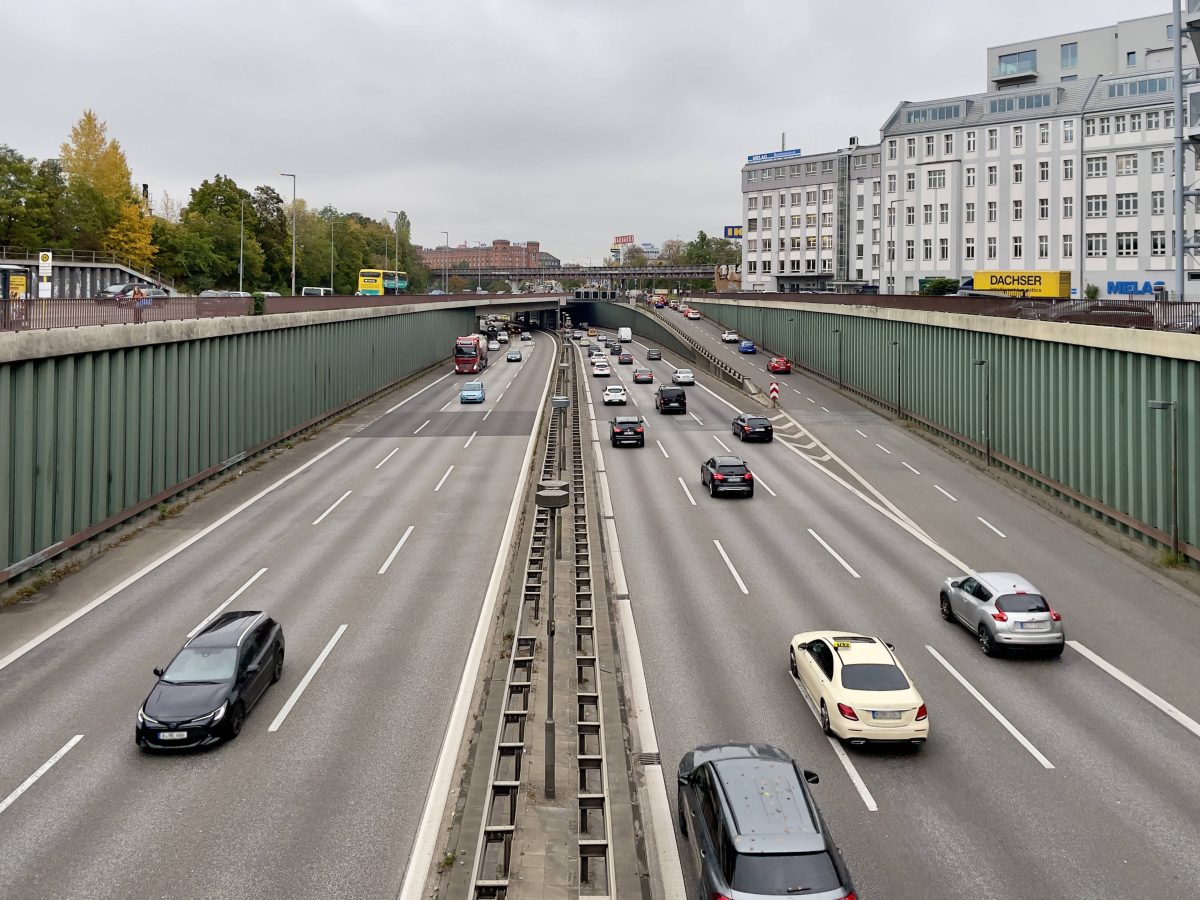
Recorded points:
1025,284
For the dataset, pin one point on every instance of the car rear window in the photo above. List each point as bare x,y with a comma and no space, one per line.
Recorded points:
757,421
1022,603
873,677
732,470
784,874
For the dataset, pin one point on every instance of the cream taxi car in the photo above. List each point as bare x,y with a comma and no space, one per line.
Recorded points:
861,691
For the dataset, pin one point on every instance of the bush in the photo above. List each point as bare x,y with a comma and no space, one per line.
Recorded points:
258,304
1092,292
937,287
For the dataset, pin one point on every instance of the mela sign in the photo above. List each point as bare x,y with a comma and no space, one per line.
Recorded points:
1127,288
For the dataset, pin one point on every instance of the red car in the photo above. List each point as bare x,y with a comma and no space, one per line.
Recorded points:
779,366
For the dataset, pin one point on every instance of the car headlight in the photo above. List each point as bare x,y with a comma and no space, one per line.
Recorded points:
144,719
219,713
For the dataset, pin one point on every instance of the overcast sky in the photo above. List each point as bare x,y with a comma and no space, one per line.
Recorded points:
563,121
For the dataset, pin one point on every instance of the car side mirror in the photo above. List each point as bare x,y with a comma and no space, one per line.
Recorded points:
811,777
252,668
802,646
684,780
889,646
158,671
955,584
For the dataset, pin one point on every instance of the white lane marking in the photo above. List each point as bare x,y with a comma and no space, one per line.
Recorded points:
801,393
996,714
860,433
766,487
729,565
488,413
811,400
884,449
1138,688
834,554
946,492
396,549
422,428
665,454
393,453
418,393
911,469
216,612
42,770
471,438
840,752
498,399
319,519
420,858
510,381
635,400
722,443
443,481
446,408
826,408
991,526
166,557
696,417
691,499
308,676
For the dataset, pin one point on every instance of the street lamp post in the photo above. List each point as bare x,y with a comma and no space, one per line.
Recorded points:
331,253
396,213
551,495
446,262
241,243
838,332
293,177
891,249
987,408
1170,404
899,353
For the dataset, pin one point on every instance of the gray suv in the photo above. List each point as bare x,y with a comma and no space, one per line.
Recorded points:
1002,610
751,827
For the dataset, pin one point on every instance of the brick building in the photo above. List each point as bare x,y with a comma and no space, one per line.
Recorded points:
500,255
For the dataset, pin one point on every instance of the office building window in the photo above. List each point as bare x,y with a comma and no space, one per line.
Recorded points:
794,170
766,267
944,213
827,265
930,143
970,142
1097,206
767,173
1043,133
1130,60
910,148
910,250
891,251
891,182
1152,120
1127,243
826,195
948,144
1168,118
766,201
969,176
827,166
1018,173
752,175
991,175
1089,127
910,181
969,213
1068,246
1043,246
1017,63
1018,246
991,248
1135,121
752,245
810,197
943,248
992,138
810,168
859,226
935,179
1158,203
797,243
810,220
826,241
766,245
1096,245
969,248
1044,170
991,211
875,210
858,251
1096,166
910,215
752,203
752,224
797,198
1068,131
1127,204
766,223
1018,213
1068,207
891,148
927,214
1158,243
810,265
1127,163
1118,124
1043,208
810,242
794,266
860,162
1018,136
875,183
1068,55
827,220
891,216
1105,124
1068,169
861,201
927,249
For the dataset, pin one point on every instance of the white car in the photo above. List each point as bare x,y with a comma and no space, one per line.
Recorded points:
502,337
601,369
693,314
614,393
859,688
598,359
493,345
730,337
683,376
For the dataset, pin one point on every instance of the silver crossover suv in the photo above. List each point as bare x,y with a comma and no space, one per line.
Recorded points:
1003,610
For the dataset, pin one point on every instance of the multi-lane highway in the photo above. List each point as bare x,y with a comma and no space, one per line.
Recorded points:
375,556
1069,777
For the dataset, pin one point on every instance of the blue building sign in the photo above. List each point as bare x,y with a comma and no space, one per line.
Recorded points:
1133,288
778,154
733,232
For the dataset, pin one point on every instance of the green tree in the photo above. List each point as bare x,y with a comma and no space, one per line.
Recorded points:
49,205
100,186
16,194
937,287
457,284
672,253
130,237
273,233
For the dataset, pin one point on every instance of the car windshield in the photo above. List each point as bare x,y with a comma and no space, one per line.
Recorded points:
201,664
873,677
784,874
1023,603
473,386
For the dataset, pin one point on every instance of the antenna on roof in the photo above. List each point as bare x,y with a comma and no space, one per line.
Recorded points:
783,140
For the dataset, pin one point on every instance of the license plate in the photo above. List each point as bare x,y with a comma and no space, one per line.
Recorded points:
885,714
172,735
1033,626
734,478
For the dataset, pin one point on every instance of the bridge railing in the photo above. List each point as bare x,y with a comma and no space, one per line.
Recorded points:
96,257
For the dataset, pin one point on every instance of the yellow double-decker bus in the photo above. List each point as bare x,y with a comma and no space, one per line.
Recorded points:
377,282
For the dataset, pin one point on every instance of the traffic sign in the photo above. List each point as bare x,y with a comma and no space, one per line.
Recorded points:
774,392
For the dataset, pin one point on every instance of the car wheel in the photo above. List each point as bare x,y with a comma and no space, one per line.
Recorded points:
642,443
612,442
770,437
237,718
712,489
749,493
1056,651
947,613
825,719
682,820
987,642
792,663
278,673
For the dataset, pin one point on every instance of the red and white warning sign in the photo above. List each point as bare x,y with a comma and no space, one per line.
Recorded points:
774,390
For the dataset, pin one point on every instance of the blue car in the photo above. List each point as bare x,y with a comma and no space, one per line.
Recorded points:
471,392
747,347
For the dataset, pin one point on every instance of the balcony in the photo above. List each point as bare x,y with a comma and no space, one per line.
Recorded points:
1014,73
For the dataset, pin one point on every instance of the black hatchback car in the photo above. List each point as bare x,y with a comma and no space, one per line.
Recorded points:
726,474
203,696
627,430
669,398
752,829
753,428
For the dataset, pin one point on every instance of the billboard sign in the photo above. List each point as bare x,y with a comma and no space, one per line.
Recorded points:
622,239
778,154
733,232
1133,288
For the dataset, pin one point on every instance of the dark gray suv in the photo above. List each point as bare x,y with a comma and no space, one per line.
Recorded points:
752,829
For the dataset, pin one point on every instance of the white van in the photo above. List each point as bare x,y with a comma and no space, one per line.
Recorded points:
316,292
624,335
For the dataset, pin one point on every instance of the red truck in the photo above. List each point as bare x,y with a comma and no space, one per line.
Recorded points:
470,354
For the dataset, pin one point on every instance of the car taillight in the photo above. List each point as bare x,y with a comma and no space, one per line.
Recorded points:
1000,615
847,712
717,476
719,896
749,476
638,430
851,896
922,713
745,428
1055,616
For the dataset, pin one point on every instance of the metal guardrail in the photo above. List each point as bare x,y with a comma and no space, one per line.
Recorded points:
25,254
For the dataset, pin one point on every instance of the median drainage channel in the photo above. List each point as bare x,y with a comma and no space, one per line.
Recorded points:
567,829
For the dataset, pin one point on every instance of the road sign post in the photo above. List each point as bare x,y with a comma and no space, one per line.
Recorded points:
774,393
